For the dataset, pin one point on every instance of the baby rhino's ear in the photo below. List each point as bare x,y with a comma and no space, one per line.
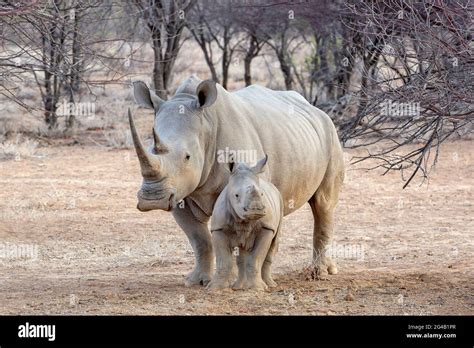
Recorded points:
260,166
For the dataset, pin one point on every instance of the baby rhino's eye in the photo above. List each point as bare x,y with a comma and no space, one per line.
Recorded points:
187,157
236,195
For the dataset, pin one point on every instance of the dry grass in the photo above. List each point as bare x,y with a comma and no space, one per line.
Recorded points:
18,149
98,254
118,138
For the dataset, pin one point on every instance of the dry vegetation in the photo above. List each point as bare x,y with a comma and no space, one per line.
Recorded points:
109,127
97,254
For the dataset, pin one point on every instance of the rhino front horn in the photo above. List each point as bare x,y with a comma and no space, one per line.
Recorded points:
149,164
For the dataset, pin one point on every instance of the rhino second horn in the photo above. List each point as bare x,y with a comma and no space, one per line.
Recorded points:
158,145
149,164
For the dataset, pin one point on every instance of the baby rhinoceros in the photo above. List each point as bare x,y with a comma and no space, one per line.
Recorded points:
247,215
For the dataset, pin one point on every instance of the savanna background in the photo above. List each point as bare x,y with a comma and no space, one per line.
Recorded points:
396,77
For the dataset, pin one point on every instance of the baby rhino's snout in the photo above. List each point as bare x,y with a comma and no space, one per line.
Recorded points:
255,208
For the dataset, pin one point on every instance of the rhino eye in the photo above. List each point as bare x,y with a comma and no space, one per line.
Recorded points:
236,195
188,157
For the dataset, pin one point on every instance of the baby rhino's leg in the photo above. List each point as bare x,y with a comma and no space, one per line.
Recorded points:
241,264
267,264
256,259
224,275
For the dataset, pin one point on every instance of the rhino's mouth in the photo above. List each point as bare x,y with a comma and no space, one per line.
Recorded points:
165,203
253,214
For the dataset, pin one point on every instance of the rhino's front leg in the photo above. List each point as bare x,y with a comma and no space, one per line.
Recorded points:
241,281
256,259
225,275
200,239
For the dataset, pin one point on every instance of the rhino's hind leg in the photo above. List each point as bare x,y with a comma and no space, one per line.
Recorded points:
323,204
322,235
200,239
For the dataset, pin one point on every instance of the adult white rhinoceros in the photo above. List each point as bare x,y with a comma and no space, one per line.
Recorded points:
305,158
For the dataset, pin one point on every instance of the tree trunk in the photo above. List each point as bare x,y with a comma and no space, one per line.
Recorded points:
369,62
209,62
252,52
50,116
158,83
286,70
225,71
76,52
247,70
344,73
225,59
199,37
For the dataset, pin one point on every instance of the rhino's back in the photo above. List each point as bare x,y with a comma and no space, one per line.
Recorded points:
255,93
297,136
284,112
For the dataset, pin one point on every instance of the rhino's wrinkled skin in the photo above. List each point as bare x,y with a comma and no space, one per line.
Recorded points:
247,215
305,158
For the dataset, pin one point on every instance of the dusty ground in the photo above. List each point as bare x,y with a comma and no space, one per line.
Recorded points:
399,251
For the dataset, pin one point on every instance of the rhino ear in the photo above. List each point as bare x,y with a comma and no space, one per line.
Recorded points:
145,97
260,166
206,93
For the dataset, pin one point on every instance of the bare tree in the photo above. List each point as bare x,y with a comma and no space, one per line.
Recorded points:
37,35
251,51
60,43
215,27
279,28
324,77
166,20
250,20
416,86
